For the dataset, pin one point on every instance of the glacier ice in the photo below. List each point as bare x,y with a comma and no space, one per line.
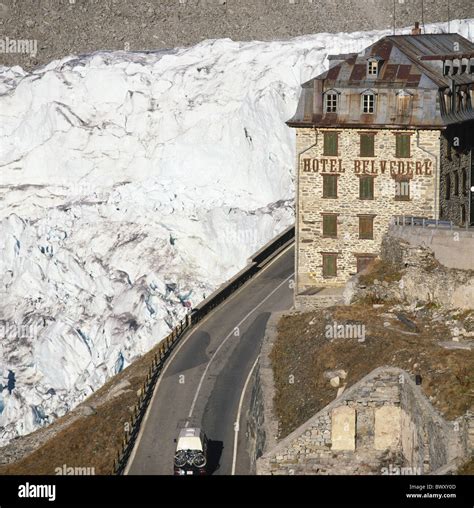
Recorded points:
132,184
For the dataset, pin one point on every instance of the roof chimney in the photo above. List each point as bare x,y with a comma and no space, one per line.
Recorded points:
416,30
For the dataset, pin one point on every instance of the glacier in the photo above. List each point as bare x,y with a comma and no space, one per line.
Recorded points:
132,184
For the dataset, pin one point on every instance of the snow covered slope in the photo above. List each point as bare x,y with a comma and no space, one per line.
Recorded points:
131,186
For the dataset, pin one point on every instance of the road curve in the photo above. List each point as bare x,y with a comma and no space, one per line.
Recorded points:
203,380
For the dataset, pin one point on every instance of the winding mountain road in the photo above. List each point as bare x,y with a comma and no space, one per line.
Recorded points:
206,382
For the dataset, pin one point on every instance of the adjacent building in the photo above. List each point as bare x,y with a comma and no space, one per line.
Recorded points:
385,132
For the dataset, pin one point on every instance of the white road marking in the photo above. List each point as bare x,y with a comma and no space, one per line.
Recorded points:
180,345
237,420
227,338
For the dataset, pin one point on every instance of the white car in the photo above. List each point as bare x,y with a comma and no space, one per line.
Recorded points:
191,452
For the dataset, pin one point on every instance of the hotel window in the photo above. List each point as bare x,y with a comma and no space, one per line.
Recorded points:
329,225
448,187
368,102
367,144
403,104
331,102
464,185
402,145
402,190
449,149
330,144
372,68
329,186
456,184
329,265
366,227
366,187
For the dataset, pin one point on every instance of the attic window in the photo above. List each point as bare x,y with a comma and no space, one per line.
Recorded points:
372,68
455,67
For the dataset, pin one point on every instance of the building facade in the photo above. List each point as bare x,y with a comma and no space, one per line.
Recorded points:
382,133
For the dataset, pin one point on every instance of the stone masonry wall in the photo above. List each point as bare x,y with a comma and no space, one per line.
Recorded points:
416,251
381,423
453,248
422,165
456,163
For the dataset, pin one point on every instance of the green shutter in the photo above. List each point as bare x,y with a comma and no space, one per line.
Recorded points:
329,186
329,265
366,187
367,145
403,145
330,143
330,225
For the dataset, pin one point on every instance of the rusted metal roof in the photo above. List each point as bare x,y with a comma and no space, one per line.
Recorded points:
410,66
422,49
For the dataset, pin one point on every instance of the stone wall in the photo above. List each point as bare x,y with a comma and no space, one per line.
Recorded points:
453,248
382,423
423,279
421,168
262,427
457,147
64,27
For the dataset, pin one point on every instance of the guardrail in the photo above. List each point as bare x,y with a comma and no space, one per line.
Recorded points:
408,220
255,264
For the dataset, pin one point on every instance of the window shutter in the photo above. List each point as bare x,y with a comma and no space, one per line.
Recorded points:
403,145
329,186
366,228
366,145
366,187
330,225
329,265
330,143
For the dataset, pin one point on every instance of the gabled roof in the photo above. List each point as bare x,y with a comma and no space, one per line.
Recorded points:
423,50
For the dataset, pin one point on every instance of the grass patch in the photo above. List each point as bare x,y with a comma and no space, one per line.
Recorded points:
467,468
86,441
302,351
382,271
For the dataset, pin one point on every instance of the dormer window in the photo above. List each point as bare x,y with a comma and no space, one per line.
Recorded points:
447,67
373,67
455,67
331,99
368,101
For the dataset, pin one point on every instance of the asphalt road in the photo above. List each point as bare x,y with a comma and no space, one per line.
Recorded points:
203,381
